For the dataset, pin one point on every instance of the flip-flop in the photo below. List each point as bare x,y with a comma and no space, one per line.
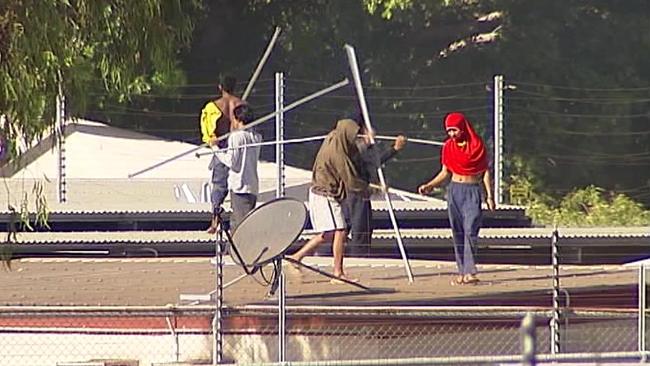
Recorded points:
471,281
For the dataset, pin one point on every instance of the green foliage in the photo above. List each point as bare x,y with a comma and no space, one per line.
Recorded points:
387,6
94,50
589,206
22,218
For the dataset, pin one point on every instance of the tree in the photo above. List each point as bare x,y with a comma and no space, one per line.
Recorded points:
94,50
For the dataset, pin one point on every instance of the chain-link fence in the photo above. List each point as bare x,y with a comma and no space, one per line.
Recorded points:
142,331
76,335
168,335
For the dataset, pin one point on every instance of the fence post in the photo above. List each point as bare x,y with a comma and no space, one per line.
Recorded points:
282,313
217,323
498,139
642,313
555,320
59,134
279,133
528,340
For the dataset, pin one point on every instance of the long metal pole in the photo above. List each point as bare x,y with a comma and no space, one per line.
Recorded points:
498,139
354,67
279,133
642,309
555,320
309,139
266,143
260,64
287,108
417,141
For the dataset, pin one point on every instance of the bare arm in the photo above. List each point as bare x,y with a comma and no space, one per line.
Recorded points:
489,196
440,178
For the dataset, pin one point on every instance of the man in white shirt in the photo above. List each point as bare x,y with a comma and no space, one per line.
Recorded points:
242,162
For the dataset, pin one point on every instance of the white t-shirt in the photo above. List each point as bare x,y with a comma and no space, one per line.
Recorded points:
242,161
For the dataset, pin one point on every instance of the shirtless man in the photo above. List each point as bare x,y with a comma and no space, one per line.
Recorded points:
216,121
464,160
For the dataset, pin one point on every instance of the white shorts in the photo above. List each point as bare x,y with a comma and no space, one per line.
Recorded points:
325,213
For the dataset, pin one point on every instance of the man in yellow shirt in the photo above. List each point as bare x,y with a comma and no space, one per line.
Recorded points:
216,121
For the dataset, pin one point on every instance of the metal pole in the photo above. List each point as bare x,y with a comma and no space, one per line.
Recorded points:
498,139
642,310
266,143
60,147
217,324
260,64
287,108
414,140
282,313
279,133
309,139
354,67
528,340
555,320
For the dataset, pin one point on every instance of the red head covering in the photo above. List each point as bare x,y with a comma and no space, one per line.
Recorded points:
469,158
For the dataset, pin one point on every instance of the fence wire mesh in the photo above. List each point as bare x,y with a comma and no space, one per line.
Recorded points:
163,335
158,336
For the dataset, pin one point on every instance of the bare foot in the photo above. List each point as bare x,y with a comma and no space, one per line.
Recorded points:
457,281
292,267
212,229
340,280
214,226
470,279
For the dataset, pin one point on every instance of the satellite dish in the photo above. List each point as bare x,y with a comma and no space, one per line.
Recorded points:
268,231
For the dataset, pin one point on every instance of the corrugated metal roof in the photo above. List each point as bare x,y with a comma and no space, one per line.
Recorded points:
161,281
542,232
114,196
419,234
114,237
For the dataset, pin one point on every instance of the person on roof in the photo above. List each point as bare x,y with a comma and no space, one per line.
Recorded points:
241,160
334,175
216,121
464,159
357,206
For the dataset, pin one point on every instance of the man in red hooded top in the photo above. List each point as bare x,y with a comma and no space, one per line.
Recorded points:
464,159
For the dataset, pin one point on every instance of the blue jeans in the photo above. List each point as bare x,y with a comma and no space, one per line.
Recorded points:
219,184
464,206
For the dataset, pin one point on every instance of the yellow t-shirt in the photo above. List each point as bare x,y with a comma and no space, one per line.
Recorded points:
210,114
